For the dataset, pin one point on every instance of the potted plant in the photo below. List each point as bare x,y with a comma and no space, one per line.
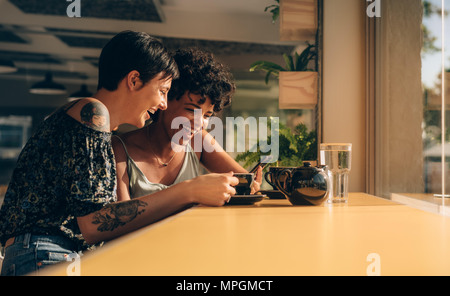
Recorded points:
294,147
297,81
274,10
298,18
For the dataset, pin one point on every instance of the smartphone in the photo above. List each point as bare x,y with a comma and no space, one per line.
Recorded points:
267,160
259,164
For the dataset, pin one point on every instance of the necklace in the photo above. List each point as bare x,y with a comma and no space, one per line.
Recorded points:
163,164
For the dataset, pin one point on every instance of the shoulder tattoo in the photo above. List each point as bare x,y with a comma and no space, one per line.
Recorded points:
96,116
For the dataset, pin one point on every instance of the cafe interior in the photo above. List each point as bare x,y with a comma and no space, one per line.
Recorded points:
379,79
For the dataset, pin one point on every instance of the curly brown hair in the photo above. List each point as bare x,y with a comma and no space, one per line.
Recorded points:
201,73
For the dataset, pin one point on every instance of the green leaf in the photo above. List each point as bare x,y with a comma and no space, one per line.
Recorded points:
270,6
265,65
296,57
269,67
289,62
303,59
268,76
274,10
275,14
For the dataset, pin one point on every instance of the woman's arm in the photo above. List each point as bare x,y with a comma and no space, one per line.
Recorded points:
216,160
128,214
123,217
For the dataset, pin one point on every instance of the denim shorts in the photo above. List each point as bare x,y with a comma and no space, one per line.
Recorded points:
30,253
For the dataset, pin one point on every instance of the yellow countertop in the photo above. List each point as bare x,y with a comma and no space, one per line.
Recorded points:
274,238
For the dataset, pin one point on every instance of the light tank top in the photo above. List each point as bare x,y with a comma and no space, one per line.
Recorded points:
139,184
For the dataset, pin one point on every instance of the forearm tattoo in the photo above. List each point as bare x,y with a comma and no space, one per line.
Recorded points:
118,214
96,116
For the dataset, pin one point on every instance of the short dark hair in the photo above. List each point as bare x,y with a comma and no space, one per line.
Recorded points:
201,73
128,51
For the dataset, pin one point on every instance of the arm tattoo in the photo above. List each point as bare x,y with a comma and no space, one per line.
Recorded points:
96,116
118,214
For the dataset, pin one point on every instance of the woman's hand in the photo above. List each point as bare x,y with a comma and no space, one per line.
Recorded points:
256,186
212,189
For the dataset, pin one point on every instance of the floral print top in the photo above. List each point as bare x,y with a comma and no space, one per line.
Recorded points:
66,170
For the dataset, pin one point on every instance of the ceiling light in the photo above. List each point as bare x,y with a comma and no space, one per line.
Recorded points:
48,87
82,93
7,66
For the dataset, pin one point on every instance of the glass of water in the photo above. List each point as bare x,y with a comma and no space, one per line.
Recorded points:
338,158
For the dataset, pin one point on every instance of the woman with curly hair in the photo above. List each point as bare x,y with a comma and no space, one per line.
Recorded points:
62,195
146,159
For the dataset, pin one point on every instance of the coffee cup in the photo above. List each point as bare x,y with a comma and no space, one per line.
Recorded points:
245,183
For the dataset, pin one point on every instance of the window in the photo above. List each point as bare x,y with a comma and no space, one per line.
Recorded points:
407,107
14,132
